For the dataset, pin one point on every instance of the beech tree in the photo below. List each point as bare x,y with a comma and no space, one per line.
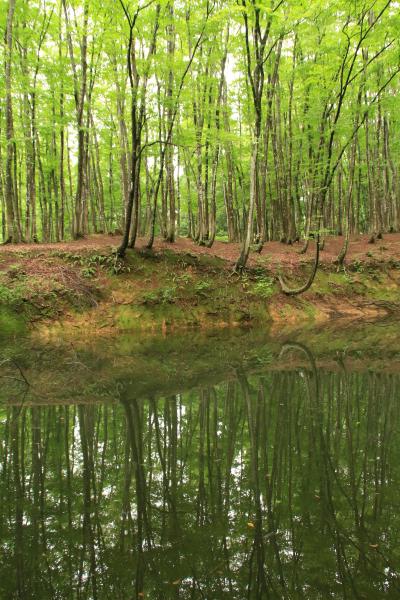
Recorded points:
237,121
11,194
257,54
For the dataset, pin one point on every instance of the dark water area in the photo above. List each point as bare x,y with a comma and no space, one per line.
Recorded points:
251,468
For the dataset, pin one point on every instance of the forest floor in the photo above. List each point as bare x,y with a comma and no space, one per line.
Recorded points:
384,250
80,285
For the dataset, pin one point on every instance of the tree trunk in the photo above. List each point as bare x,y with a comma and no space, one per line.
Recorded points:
12,229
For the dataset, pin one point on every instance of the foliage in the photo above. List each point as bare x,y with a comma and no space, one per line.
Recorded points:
264,287
166,295
91,262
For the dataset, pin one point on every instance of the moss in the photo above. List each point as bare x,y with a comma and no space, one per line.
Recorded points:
10,323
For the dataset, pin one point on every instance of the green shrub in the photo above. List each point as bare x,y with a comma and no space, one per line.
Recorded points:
165,295
263,287
202,286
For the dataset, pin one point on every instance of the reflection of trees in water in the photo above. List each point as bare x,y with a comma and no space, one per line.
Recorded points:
283,486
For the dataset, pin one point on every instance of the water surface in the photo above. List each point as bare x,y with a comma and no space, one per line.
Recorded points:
226,466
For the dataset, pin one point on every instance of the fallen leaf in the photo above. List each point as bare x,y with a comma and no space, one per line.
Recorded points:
251,525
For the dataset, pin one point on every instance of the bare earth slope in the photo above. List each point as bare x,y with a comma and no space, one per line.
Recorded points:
184,285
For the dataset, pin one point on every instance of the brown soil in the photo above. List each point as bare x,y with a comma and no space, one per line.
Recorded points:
273,254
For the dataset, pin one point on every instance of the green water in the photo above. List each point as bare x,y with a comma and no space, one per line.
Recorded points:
225,466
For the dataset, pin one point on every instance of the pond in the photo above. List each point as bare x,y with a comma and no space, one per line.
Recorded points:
228,465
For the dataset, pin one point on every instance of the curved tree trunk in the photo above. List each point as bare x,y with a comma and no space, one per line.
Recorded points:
303,288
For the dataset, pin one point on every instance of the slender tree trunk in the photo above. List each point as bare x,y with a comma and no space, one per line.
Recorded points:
12,228
169,159
80,90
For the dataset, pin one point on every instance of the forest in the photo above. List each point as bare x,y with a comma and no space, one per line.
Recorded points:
229,120
199,299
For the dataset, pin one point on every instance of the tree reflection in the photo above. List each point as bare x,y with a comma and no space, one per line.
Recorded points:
280,486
